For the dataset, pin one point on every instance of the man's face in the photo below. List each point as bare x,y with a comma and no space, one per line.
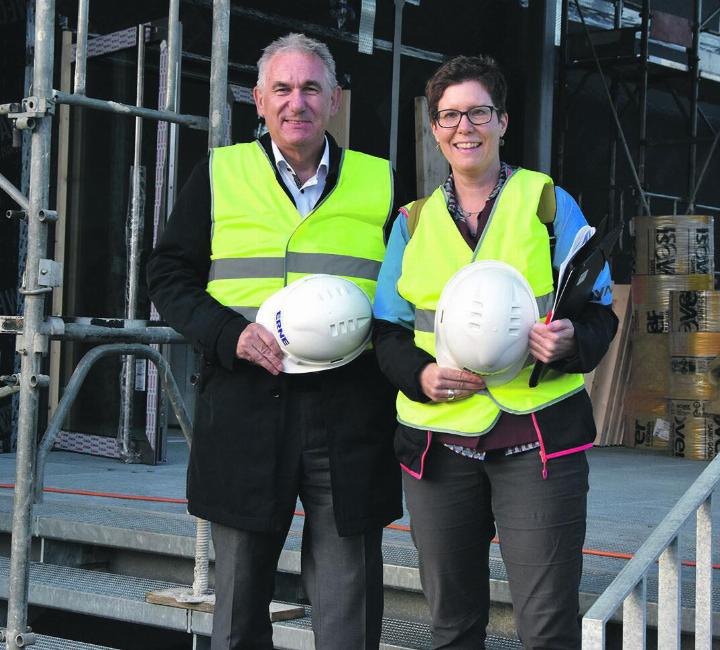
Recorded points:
296,102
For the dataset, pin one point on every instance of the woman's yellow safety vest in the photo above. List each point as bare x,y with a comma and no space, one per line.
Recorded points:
436,251
260,243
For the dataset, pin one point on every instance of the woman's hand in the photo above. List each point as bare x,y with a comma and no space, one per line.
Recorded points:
553,341
449,384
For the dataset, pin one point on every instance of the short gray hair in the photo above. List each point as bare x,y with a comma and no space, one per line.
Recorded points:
298,43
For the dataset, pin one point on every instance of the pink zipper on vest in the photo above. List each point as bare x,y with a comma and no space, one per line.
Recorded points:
422,460
545,456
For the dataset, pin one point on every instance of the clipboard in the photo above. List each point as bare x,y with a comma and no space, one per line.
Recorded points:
579,272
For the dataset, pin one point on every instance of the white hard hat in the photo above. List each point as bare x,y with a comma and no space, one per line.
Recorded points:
483,320
320,322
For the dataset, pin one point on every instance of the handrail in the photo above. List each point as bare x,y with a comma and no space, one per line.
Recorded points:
629,587
73,388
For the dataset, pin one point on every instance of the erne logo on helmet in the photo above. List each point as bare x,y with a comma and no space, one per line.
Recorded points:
278,324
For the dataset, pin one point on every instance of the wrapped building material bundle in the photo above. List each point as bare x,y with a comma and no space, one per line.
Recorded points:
674,245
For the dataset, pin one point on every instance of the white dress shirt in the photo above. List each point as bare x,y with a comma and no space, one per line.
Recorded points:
306,195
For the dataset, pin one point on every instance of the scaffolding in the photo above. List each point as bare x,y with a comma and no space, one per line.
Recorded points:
630,58
33,331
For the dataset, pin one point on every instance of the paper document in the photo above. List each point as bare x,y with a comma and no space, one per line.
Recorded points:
581,238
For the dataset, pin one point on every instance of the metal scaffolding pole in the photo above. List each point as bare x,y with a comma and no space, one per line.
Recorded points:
81,48
612,171
395,90
218,71
14,193
694,70
173,55
643,100
216,135
562,112
126,447
32,344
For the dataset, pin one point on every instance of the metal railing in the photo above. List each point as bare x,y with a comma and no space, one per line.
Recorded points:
42,276
629,589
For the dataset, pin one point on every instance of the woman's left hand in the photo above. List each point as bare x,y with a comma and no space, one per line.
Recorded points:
553,341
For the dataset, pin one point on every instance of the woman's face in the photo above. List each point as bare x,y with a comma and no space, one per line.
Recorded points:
469,148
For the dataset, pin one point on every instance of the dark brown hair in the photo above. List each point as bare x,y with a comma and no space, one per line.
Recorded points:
482,68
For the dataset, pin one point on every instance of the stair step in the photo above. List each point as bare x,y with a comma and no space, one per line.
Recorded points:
296,634
43,642
122,598
101,594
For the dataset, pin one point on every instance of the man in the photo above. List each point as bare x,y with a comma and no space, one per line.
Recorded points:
251,219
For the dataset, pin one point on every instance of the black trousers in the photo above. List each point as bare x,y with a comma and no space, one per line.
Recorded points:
455,509
342,576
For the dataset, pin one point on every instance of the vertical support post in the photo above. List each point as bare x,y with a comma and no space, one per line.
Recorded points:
216,133
635,618
81,47
127,451
643,94
704,576
612,171
33,314
562,112
694,70
395,92
218,71
173,55
541,80
669,606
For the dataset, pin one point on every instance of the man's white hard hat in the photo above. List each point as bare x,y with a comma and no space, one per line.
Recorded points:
483,321
319,321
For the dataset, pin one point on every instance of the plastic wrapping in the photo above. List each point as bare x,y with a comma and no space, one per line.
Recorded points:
646,421
691,357
674,245
695,438
694,311
651,299
650,365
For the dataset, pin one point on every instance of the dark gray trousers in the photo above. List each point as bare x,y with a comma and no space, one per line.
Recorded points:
454,510
342,576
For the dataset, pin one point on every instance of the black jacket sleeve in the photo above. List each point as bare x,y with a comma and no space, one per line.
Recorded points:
178,274
595,328
400,360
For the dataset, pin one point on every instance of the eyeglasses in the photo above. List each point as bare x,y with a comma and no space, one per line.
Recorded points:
478,115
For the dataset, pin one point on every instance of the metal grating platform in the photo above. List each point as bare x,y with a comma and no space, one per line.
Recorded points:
396,635
98,594
43,642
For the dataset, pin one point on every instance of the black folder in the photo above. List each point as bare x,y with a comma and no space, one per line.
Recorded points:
575,287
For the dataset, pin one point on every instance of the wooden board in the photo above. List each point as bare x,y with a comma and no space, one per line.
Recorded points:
169,597
339,124
609,378
431,168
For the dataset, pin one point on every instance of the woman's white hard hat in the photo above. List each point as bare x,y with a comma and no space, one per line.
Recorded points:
483,321
319,321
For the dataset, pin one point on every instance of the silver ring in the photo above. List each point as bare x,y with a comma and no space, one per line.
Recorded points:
451,395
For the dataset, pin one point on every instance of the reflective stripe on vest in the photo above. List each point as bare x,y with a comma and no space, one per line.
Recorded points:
260,243
435,252
425,318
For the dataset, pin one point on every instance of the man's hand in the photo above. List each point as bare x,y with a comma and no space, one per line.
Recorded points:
258,346
553,341
448,384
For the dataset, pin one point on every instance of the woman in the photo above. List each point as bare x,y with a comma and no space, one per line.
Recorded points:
523,473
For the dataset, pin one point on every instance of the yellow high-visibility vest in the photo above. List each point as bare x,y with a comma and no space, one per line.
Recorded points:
436,251
260,243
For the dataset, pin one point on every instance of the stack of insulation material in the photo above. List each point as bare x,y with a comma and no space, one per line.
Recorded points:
673,253
693,412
